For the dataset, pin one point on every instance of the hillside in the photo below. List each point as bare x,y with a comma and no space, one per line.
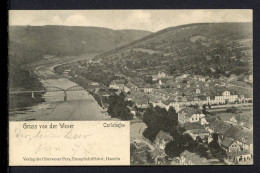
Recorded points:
214,49
33,41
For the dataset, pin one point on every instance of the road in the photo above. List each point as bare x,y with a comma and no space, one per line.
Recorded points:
80,105
136,131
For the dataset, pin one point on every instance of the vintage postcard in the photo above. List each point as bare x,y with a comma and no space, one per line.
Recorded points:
130,87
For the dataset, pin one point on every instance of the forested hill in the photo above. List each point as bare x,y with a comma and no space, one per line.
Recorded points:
30,41
204,48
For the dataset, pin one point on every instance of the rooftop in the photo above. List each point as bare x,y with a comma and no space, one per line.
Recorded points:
163,135
226,116
227,142
240,135
195,159
193,126
189,111
156,152
198,131
239,153
119,81
220,126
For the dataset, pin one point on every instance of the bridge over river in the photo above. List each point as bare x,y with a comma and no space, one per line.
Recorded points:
49,89
78,104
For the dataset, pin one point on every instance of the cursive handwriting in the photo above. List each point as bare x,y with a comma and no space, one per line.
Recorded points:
81,149
46,148
21,135
71,135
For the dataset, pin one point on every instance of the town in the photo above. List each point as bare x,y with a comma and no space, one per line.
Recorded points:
187,90
184,119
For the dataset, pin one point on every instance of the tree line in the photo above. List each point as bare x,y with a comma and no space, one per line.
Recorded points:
118,107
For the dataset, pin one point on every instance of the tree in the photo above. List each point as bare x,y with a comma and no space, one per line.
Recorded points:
172,149
118,107
204,109
201,150
215,149
188,143
150,133
172,114
140,156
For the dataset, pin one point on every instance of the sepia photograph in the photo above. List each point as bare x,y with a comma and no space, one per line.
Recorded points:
168,87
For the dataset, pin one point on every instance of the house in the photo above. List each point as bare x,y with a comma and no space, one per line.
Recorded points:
126,89
247,125
226,97
158,156
162,83
184,76
189,114
117,84
202,78
137,81
241,99
243,137
94,83
188,158
154,78
148,89
130,87
228,118
230,145
129,98
219,127
197,91
161,74
169,102
198,99
240,157
210,99
196,130
105,93
132,110
142,102
157,103
162,139
203,121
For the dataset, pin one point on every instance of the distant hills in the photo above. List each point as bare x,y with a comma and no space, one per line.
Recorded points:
214,49
27,43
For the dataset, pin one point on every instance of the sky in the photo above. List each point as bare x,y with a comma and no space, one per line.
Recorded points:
150,20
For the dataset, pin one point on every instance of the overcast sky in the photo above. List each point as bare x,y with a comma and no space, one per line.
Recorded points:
151,20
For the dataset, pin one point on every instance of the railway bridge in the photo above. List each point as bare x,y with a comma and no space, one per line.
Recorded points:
48,89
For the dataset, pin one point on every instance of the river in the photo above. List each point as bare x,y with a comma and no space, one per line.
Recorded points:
80,105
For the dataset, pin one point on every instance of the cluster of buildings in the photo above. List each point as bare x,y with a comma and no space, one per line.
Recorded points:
235,140
144,97
234,135
186,90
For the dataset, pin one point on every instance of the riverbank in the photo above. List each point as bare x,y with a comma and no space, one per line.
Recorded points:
20,79
85,83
